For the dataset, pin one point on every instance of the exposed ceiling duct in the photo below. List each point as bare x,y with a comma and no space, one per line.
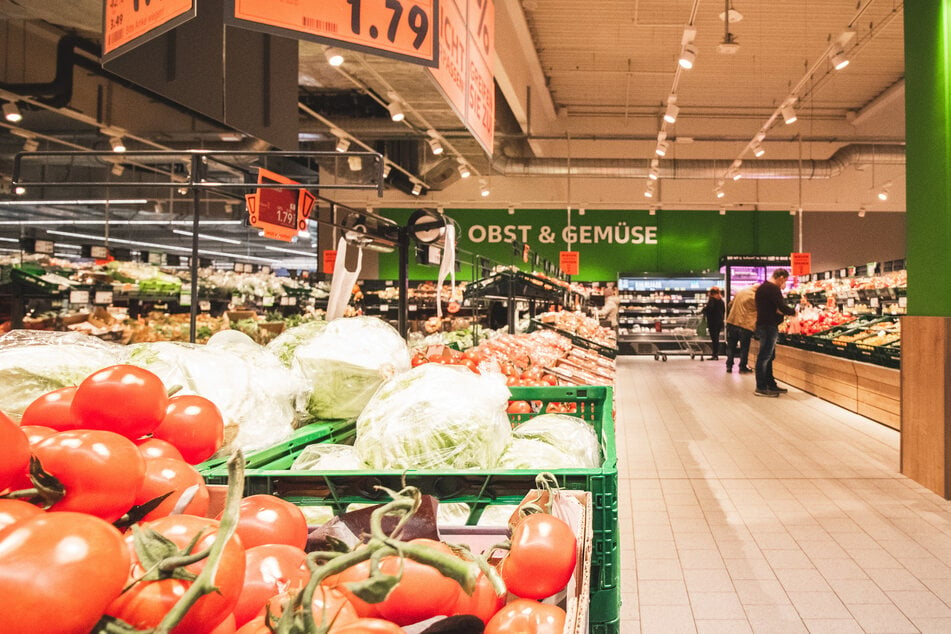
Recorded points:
811,169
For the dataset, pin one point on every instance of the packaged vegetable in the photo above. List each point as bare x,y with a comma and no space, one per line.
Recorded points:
568,434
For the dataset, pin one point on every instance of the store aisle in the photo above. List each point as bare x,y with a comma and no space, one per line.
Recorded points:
744,514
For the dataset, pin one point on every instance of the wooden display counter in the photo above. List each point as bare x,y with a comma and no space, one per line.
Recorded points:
870,390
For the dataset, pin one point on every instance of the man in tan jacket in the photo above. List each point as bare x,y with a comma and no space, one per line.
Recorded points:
740,324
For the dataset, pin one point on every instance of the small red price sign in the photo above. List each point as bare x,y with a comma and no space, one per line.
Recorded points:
330,259
281,213
405,29
127,23
801,263
568,262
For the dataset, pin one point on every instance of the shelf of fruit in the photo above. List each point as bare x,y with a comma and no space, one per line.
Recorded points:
864,338
585,330
885,287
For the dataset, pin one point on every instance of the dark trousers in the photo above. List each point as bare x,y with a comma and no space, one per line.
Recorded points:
715,341
768,335
737,345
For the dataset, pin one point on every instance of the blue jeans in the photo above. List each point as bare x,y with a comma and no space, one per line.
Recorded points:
768,335
737,337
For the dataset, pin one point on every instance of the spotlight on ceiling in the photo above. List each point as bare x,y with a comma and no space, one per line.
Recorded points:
117,144
343,144
484,190
653,211
464,170
792,211
839,60
11,113
861,212
355,163
722,211
883,192
662,147
417,189
719,192
758,150
688,56
395,110
435,145
789,114
117,169
387,168
334,56
670,116
31,145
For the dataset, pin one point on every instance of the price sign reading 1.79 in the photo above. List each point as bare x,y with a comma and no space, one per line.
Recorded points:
405,29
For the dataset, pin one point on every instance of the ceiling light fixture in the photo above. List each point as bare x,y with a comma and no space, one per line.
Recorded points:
417,189
789,114
718,190
653,211
757,149
672,110
735,168
464,171
649,192
31,145
792,211
387,168
11,113
117,169
839,59
334,56
662,147
355,163
97,201
484,190
205,236
861,212
883,192
117,144
722,211
395,110
343,144
688,56
435,146
19,190
653,174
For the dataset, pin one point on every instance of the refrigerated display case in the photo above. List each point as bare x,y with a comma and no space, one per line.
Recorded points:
741,271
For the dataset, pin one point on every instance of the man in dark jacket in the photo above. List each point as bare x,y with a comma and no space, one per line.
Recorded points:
713,311
770,308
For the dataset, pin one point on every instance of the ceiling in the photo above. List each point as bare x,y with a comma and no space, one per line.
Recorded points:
580,93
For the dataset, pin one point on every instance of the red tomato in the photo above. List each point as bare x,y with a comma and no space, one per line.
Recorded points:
194,425
542,557
151,447
58,572
226,627
483,602
52,410
328,606
265,519
369,626
519,407
171,474
15,455
269,569
36,433
124,399
359,572
15,511
550,379
422,593
145,604
101,471
527,617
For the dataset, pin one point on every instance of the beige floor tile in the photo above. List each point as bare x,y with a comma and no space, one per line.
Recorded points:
920,604
701,558
708,580
833,626
857,591
802,580
932,626
655,549
736,626
667,619
895,580
819,605
659,569
882,619
716,605
787,558
749,568
761,592
661,592
775,619
839,569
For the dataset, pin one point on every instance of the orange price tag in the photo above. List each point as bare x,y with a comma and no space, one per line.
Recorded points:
280,213
568,262
330,258
801,263
405,29
128,20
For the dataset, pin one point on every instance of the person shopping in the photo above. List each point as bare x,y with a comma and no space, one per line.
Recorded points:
713,312
740,324
770,308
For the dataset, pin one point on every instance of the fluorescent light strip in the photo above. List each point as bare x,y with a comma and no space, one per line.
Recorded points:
9,240
169,247
306,253
118,223
9,250
205,236
118,201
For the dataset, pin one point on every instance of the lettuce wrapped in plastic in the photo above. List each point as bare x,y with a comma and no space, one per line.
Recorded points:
569,435
346,361
435,417
259,398
284,345
327,457
34,362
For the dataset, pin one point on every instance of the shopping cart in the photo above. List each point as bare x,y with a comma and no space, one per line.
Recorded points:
685,340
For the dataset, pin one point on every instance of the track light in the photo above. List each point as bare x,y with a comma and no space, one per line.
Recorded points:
653,211
719,192
672,110
387,168
883,192
19,190
649,191
653,174
435,146
464,171
343,144
839,60
395,110
117,169
11,113
417,189
662,147
688,56
117,144
334,56
355,163
758,150
722,211
789,114
484,188
861,212
31,145
792,211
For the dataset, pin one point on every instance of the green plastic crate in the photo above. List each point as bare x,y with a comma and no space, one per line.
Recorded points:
478,489
604,627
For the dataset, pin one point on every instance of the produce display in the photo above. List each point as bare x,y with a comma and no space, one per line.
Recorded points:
812,320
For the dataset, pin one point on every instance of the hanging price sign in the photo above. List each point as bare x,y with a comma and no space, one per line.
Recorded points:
404,29
330,258
128,23
280,213
800,263
569,262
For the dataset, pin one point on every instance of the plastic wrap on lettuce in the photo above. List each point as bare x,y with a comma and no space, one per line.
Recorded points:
435,417
285,344
345,363
327,457
34,362
259,398
569,435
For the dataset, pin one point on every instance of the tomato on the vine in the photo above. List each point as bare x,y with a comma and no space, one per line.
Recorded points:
266,519
15,511
369,626
193,424
36,433
146,603
525,616
15,455
58,572
100,470
328,606
164,475
269,570
151,447
355,573
483,602
52,410
423,592
542,557
124,399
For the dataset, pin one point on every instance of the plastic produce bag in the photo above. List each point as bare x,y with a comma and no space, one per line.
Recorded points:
327,457
259,398
284,345
345,362
34,362
568,434
529,453
435,417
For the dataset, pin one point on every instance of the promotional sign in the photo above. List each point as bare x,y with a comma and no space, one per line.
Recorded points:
403,29
568,262
129,23
280,213
465,75
330,258
800,263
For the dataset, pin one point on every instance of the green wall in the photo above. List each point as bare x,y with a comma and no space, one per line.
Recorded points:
928,162
609,241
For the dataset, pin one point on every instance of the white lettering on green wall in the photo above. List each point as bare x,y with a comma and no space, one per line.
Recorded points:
621,233
498,233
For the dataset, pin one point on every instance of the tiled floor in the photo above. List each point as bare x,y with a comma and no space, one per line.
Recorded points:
746,514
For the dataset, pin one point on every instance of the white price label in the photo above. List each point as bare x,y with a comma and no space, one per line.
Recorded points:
412,307
384,307
902,301
268,300
103,298
185,299
873,302
292,301
204,305
266,270
79,297
850,302
285,301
